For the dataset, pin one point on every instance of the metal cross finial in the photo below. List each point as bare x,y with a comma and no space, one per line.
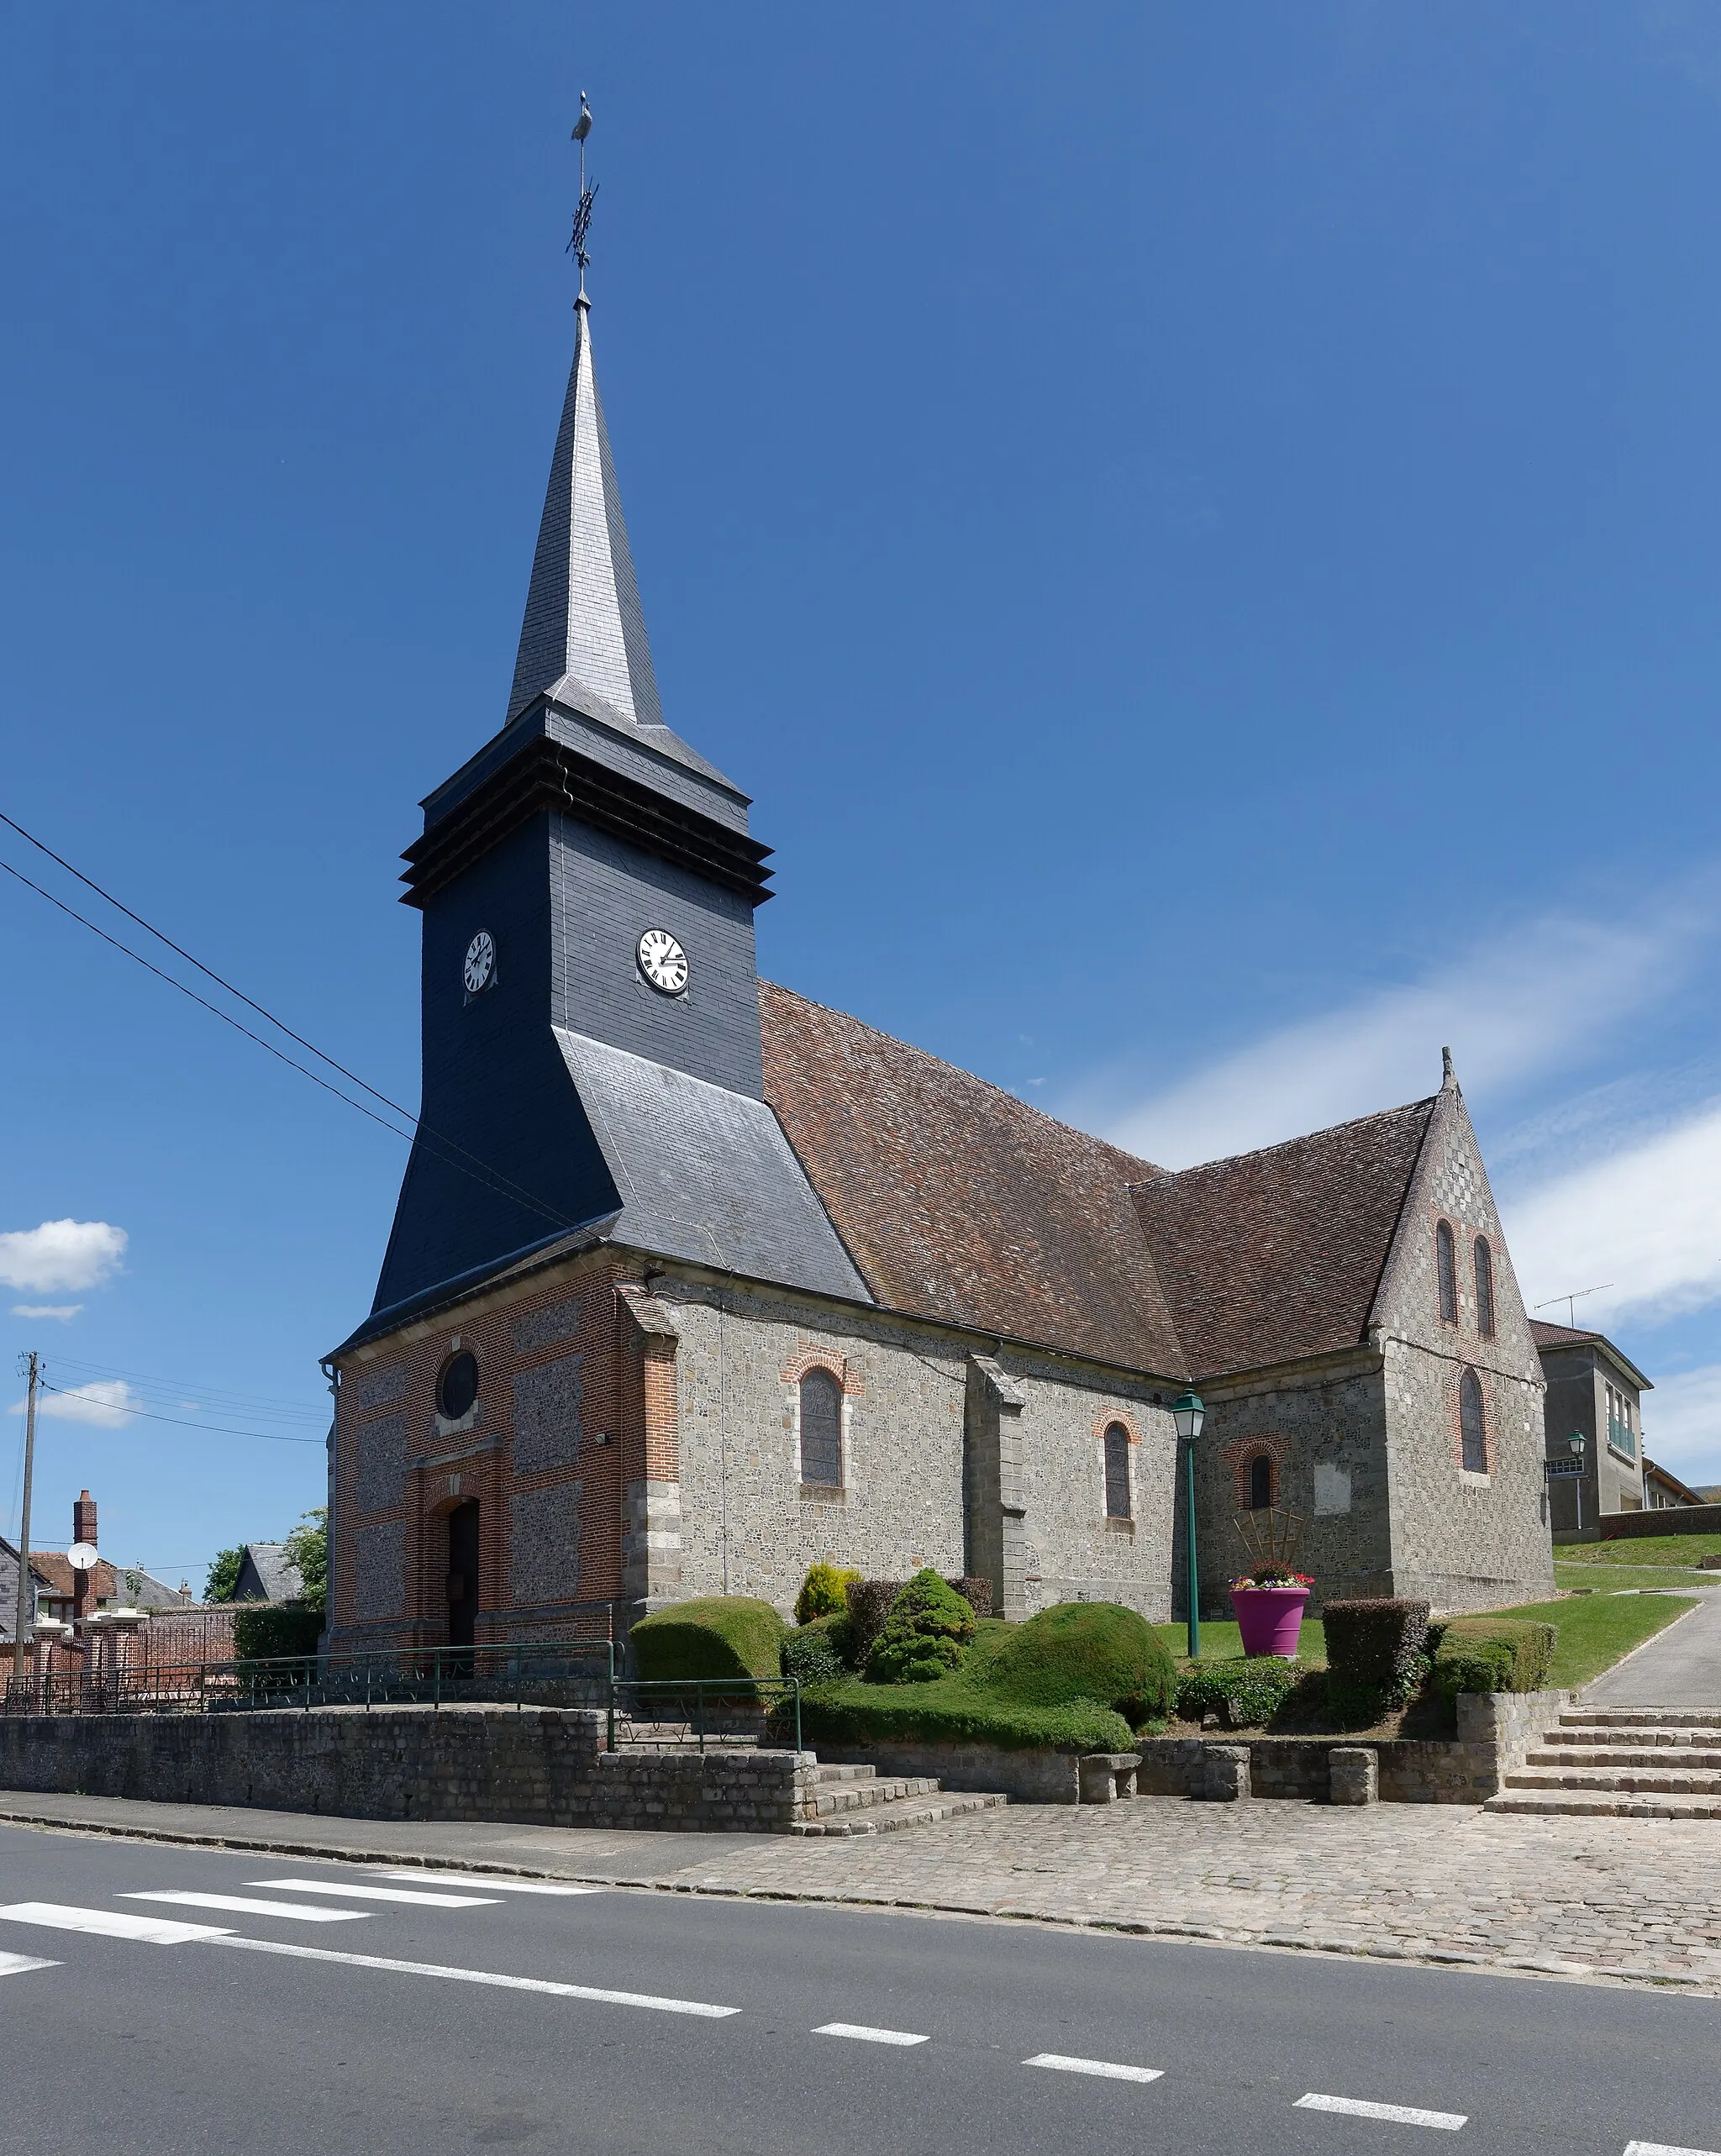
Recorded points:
582,215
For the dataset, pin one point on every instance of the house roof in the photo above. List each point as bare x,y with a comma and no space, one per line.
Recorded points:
1268,1256
1654,1472
277,1578
960,1202
1575,1336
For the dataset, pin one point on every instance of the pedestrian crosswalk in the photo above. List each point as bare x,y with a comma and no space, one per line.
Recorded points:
349,1892
245,1904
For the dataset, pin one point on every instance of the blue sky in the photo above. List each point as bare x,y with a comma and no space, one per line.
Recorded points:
1197,527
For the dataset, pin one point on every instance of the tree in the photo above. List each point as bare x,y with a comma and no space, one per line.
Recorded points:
224,1575
308,1549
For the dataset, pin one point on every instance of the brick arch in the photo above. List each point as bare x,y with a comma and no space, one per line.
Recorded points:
1102,1424
809,1356
1238,1452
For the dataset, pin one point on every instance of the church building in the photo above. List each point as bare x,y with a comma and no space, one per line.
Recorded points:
693,1281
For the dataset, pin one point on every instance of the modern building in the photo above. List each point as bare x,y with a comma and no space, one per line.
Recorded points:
1595,1392
1663,1491
693,1280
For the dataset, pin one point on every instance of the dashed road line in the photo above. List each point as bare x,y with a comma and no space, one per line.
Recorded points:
1395,2114
861,2034
247,1906
1106,2069
495,1885
110,1923
418,1900
698,2008
1663,2148
19,1964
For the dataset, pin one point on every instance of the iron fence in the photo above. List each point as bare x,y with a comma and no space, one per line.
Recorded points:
667,1713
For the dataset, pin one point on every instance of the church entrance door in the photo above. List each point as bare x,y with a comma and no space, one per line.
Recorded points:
463,1576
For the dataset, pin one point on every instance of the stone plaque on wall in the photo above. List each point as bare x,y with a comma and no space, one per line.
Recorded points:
542,1329
1332,1489
382,1469
382,1571
544,1528
547,1415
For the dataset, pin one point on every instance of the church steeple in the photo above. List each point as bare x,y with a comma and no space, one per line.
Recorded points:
583,640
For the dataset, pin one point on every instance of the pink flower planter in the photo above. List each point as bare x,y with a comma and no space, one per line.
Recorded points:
1269,1619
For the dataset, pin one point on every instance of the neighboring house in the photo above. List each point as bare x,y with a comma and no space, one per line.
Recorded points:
1592,1389
64,1595
693,1281
1663,1490
267,1574
8,1591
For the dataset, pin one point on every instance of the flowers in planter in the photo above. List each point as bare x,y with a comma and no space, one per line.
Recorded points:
1272,1576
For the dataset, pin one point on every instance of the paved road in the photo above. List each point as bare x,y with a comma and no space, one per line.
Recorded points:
337,2018
1679,1667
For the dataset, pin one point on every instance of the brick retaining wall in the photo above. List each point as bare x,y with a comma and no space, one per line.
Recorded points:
1670,1519
541,1766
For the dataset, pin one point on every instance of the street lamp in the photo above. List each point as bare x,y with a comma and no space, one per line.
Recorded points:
1579,1444
1188,1417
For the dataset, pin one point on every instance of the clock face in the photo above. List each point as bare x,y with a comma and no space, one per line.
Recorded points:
663,962
480,963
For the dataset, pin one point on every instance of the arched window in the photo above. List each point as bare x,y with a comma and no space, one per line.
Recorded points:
822,1429
1472,1424
1447,1266
1484,1288
1260,1483
1117,1472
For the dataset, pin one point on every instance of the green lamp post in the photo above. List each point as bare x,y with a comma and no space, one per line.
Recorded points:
1579,1444
1187,1414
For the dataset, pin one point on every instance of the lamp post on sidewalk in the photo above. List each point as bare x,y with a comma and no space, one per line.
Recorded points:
1188,1417
1579,1444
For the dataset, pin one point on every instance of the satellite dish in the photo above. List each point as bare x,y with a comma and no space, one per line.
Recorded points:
81,1557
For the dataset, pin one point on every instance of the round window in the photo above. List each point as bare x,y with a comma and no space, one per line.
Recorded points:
458,1387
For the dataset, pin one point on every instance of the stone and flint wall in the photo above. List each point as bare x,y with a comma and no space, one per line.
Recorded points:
540,1766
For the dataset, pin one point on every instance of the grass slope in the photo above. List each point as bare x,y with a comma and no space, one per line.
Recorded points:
1222,1642
1639,1549
1595,1631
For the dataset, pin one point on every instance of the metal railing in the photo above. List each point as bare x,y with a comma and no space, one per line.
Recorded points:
667,1713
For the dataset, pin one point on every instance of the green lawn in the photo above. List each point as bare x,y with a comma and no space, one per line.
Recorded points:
1639,1549
1612,1579
1222,1642
1595,1631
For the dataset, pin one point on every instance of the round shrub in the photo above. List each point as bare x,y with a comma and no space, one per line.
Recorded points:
722,1635
1087,1650
925,1636
823,1592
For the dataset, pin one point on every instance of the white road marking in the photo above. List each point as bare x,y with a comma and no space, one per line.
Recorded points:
1662,2148
247,1906
378,1893
1104,2066
485,1976
1397,2114
18,1964
493,1885
109,1923
861,2034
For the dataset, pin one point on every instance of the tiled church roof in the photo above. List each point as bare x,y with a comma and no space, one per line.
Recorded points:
1272,1255
957,1201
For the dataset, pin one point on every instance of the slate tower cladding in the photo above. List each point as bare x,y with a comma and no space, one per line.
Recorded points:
591,1060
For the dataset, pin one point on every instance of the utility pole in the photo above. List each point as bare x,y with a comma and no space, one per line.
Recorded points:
33,1371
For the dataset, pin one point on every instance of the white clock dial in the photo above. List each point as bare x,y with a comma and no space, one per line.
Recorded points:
481,963
663,962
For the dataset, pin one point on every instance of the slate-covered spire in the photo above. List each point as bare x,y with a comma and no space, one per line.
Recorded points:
583,640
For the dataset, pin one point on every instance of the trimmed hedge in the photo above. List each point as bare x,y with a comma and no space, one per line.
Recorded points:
869,1606
1374,1642
263,1630
721,1636
1494,1654
1245,1693
956,1712
926,1634
1086,1650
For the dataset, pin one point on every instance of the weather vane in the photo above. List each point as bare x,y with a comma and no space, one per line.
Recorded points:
582,215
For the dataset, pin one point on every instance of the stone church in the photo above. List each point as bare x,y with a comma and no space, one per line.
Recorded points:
693,1281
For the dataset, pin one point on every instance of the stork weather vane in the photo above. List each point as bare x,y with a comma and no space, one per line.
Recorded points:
582,215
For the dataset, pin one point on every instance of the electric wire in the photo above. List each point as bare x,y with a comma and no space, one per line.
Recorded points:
447,1147
222,1401
215,1429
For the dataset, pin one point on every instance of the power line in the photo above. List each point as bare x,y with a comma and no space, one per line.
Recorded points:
215,1429
480,1170
224,1400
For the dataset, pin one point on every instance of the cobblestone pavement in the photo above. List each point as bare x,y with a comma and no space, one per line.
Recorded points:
1638,1899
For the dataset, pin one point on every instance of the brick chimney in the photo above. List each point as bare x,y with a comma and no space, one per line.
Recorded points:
83,1529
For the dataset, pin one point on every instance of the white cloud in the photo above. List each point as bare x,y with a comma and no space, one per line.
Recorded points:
109,1402
1645,1219
61,1310
1682,1424
61,1253
1523,1003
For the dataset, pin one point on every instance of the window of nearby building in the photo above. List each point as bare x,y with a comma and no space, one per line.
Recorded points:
1484,1288
1260,1483
822,1429
1622,1432
1117,1472
1447,1267
457,1387
1472,1424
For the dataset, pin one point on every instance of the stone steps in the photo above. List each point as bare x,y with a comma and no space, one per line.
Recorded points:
1623,1763
889,1818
